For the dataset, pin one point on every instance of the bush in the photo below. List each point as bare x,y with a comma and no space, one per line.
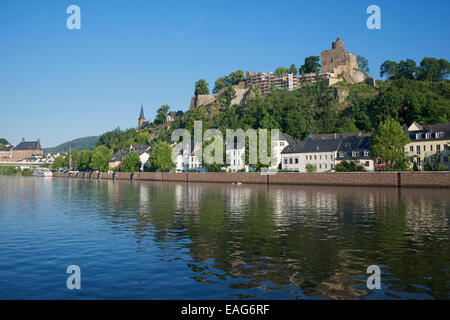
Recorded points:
27,173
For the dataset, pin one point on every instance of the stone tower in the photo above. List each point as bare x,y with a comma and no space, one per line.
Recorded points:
337,60
141,119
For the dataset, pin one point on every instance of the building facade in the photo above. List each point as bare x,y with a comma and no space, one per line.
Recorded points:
428,141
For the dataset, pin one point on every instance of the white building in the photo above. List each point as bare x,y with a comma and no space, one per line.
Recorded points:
235,157
187,160
319,153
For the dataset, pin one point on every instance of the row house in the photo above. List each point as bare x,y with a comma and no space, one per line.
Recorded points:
324,153
426,142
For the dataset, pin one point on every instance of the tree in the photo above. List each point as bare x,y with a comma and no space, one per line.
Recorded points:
432,69
363,64
71,159
349,166
161,158
388,144
100,159
131,162
236,77
311,65
220,83
3,142
346,125
281,71
201,87
407,69
84,160
161,114
293,69
310,168
227,96
58,162
389,69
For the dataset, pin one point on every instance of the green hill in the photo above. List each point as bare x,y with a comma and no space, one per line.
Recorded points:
79,144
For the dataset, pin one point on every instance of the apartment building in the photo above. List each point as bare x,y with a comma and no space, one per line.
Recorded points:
426,142
356,148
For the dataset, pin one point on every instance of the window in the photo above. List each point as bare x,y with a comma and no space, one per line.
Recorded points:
427,135
438,134
431,147
296,160
424,148
438,148
325,166
291,161
332,166
341,154
320,157
418,136
320,166
367,163
325,157
354,154
418,149
315,157
411,149
281,144
331,157
446,159
366,153
285,160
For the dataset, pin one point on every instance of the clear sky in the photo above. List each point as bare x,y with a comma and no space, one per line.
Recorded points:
60,84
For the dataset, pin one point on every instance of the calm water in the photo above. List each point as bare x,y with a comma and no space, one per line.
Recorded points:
161,240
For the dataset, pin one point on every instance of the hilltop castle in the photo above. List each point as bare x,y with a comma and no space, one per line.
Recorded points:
336,65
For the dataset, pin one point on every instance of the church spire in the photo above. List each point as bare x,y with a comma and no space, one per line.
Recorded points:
141,116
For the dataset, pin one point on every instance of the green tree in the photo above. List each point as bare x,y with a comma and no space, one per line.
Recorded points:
407,69
432,69
201,87
346,125
311,65
100,159
349,166
293,69
131,162
71,159
84,160
281,71
236,77
161,158
310,168
363,64
389,69
58,162
161,114
388,144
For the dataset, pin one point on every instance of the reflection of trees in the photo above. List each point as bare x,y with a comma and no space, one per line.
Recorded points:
304,240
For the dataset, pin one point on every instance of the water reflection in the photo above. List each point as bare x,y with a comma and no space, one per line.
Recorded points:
269,241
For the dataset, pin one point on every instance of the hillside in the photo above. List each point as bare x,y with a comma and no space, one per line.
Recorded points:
79,144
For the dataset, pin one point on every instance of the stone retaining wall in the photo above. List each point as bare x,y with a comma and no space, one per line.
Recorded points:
376,179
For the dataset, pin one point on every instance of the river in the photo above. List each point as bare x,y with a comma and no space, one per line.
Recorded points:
164,240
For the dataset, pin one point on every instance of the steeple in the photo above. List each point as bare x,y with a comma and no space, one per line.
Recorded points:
141,116
141,119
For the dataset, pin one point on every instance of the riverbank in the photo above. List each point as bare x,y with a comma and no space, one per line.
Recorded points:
374,179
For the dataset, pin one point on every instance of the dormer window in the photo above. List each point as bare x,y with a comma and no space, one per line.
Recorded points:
341,154
438,134
354,154
418,136
427,135
366,153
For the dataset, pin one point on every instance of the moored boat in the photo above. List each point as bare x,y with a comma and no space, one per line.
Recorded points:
42,172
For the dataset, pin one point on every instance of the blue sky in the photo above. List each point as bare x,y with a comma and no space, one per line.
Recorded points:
60,84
